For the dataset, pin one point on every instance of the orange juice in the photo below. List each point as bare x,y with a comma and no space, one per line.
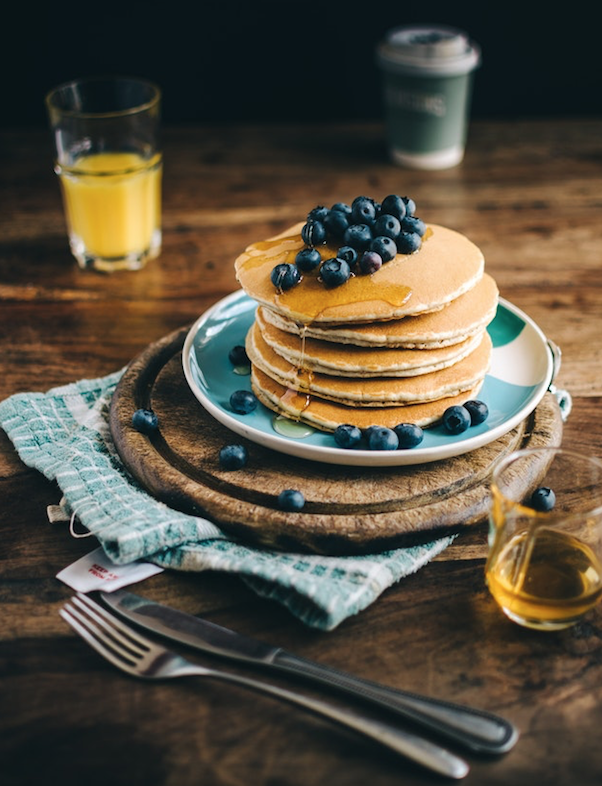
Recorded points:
113,207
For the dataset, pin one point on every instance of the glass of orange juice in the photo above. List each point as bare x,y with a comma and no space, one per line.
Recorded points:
109,163
544,567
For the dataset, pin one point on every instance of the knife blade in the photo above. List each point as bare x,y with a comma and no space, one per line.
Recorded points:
476,729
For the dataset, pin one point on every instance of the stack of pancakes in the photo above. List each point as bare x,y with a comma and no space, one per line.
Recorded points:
397,346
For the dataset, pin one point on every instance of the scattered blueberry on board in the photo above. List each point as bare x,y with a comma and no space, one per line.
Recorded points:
145,421
543,499
233,457
366,231
291,500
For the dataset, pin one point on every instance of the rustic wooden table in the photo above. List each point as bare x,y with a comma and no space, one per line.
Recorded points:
529,194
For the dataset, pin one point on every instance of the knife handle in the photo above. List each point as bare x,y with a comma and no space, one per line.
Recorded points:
478,730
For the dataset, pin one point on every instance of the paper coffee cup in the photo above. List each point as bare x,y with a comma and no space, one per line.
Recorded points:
427,80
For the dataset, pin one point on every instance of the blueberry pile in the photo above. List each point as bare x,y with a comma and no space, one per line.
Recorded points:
368,234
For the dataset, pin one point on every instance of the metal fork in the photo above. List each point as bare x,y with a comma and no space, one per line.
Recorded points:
137,655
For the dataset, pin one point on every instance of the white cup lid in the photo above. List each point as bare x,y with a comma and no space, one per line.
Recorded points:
429,50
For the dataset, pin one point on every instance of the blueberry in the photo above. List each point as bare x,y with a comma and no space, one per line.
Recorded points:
349,254
387,225
308,259
341,207
336,222
409,435
318,213
384,247
410,205
408,242
370,262
413,224
243,401
394,206
233,457
479,411
145,421
542,499
238,356
291,500
313,233
382,438
358,236
363,210
334,272
456,419
347,436
285,276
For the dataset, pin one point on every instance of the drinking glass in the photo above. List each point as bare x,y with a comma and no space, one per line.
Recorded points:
544,567
108,160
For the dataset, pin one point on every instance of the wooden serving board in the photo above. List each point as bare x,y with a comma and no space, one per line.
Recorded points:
348,509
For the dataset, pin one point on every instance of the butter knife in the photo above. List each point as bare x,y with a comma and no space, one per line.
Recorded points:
476,729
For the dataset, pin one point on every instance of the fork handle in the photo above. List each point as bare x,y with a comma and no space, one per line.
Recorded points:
418,749
478,730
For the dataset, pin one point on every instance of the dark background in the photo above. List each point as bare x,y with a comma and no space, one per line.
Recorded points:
283,60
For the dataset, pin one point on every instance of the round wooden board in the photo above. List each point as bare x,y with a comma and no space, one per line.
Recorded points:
348,509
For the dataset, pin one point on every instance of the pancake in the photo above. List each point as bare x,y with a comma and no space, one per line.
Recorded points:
375,391
465,316
446,266
352,361
327,415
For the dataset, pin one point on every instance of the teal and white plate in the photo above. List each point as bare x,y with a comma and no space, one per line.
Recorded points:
521,372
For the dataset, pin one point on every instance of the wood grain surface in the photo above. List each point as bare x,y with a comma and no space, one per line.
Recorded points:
528,193
347,509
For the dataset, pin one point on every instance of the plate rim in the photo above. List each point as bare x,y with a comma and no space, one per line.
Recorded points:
352,457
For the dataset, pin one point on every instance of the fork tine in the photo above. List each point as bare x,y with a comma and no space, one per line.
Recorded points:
125,635
95,637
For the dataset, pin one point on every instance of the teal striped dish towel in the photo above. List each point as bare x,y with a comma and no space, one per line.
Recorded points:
64,434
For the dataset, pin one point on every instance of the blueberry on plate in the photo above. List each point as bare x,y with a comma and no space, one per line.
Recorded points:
285,276
347,436
456,419
238,356
243,401
291,500
383,438
334,272
543,499
409,435
233,457
479,411
145,421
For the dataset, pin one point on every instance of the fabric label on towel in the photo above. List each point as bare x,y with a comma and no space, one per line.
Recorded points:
95,571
